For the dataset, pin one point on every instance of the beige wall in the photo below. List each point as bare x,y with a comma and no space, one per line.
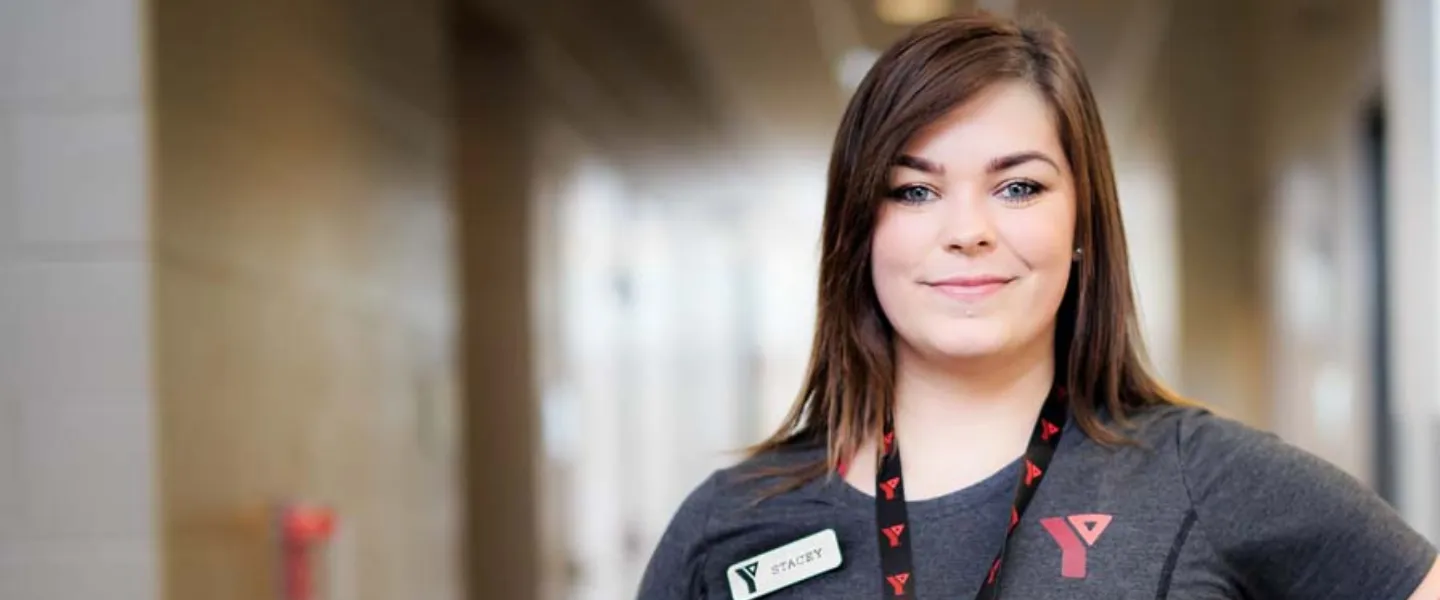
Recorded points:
494,154
76,410
1205,88
305,306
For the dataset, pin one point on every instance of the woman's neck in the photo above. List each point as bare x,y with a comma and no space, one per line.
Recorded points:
958,424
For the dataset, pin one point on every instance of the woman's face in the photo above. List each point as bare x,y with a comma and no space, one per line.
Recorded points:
973,247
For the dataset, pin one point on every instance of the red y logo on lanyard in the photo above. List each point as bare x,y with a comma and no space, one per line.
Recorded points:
893,534
1047,429
898,582
888,486
1032,472
1072,548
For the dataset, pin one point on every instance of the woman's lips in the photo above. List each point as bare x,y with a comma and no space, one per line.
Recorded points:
970,288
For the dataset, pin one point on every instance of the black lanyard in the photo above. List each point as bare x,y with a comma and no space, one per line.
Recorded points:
896,564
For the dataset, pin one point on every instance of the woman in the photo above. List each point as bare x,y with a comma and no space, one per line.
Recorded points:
976,318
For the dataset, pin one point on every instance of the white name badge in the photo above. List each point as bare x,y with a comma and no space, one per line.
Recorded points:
784,566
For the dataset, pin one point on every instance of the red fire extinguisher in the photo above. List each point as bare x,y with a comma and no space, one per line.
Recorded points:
303,531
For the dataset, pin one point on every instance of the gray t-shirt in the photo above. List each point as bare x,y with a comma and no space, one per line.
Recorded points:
1202,508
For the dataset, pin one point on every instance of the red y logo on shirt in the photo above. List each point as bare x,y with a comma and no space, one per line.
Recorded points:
1072,546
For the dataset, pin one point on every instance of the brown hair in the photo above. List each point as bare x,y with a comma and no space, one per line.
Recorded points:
849,384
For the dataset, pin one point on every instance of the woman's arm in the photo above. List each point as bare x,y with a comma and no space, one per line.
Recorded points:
1430,588
676,567
1290,525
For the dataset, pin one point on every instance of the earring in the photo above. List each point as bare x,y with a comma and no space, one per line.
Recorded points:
1078,254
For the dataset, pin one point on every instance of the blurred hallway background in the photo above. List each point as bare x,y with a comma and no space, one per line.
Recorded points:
494,284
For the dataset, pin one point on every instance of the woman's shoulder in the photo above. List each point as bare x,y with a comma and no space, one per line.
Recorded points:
764,485
760,477
1202,448
1184,427
733,499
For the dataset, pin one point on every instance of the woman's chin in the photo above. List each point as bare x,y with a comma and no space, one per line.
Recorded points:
969,351
969,341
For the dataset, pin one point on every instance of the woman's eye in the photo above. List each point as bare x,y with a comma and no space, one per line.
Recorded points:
913,194
1020,190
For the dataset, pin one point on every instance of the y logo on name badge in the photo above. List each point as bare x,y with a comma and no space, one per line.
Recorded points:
747,573
784,566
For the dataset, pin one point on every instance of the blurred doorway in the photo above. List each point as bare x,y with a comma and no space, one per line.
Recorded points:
1383,428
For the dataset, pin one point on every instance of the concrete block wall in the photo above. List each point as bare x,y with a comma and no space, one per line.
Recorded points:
76,414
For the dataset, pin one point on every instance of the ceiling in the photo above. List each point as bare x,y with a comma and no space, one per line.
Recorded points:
760,76
774,62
